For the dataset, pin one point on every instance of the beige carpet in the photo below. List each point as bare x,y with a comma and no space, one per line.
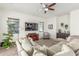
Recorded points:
47,42
13,51
8,52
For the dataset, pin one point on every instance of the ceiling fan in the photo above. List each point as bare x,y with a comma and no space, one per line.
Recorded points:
47,6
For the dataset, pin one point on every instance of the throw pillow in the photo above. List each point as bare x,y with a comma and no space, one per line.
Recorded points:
55,48
65,51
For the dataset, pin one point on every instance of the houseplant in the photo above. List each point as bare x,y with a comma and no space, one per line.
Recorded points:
7,40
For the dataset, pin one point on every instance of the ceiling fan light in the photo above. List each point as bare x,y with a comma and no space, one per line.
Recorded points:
46,9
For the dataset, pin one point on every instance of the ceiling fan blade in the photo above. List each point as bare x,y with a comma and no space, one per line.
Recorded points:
51,9
52,4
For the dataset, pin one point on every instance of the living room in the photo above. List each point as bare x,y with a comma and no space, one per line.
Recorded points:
46,26
46,19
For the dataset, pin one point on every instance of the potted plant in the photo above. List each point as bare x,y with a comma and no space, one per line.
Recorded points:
7,40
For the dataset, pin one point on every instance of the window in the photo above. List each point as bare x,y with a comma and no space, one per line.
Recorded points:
13,25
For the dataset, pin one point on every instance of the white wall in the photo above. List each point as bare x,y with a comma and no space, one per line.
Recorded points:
52,32
56,23
65,18
22,17
29,18
74,22
1,25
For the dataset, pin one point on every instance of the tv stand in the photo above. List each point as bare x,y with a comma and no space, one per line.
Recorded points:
62,35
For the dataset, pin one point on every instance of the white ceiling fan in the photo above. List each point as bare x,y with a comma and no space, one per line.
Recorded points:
47,6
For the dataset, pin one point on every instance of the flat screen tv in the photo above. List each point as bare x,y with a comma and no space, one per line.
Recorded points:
31,26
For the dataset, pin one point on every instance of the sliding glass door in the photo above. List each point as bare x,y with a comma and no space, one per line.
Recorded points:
13,26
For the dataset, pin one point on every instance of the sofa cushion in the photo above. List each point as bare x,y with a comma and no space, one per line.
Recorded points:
72,37
65,51
77,52
19,47
20,50
27,46
42,49
55,48
38,53
23,53
74,44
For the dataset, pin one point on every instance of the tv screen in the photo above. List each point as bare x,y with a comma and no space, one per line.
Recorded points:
31,26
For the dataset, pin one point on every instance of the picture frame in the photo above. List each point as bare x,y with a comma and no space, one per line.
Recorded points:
31,26
50,26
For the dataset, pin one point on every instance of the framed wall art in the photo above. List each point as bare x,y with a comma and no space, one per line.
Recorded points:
31,26
50,26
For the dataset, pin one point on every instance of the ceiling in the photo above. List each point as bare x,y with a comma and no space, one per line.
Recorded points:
36,8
